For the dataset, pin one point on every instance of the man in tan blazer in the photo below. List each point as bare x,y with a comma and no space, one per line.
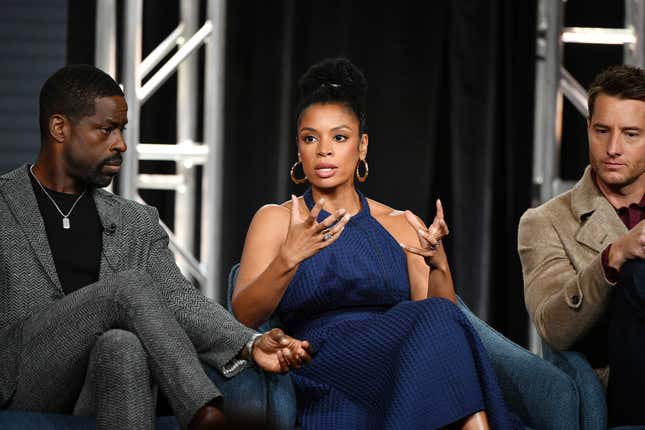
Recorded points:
574,246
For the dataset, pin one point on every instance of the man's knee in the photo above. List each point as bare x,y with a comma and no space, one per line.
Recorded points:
120,350
118,368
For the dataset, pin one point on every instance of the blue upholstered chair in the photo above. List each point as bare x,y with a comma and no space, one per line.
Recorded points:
593,406
541,394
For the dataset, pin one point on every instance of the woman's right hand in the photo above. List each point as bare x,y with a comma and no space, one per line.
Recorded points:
306,236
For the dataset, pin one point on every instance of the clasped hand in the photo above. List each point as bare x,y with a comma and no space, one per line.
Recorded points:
276,352
629,246
429,238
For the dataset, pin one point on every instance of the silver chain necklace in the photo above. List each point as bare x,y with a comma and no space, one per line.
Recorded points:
66,224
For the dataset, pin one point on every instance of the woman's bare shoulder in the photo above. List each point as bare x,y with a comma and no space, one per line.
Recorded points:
393,220
273,210
277,214
270,216
379,209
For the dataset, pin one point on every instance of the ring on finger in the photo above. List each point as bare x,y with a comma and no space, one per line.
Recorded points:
327,234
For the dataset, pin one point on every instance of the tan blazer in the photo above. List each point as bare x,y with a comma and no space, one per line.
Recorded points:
560,245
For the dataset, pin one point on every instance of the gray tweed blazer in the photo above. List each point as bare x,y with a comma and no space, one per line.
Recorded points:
132,239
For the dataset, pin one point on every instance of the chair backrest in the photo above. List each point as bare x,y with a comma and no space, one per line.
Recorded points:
273,322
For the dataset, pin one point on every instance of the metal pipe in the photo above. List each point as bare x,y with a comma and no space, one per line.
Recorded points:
171,65
598,36
131,88
105,41
634,53
573,91
547,100
547,93
195,268
213,137
163,49
192,266
161,182
186,152
187,133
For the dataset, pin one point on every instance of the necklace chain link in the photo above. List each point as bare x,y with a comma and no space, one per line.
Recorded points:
66,223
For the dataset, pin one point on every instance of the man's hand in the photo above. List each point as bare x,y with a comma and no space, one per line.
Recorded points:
276,352
627,247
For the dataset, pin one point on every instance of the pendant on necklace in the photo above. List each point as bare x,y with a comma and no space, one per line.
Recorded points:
66,224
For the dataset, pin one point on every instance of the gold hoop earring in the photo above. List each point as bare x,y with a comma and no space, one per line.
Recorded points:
367,171
293,174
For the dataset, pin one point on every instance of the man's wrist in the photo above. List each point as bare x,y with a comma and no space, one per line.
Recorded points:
615,256
248,347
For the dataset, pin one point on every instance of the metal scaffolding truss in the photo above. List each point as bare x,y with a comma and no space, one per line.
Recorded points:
138,86
553,81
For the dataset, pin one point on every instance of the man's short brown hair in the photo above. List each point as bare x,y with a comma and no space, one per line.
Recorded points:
623,82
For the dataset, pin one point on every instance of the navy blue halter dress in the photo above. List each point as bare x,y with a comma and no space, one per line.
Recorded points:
381,361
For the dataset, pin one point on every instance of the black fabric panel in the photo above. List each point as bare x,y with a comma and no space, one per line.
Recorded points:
450,108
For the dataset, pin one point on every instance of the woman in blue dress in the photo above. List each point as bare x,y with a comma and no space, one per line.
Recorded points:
367,285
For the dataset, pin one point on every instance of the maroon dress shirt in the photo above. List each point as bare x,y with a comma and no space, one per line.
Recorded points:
630,216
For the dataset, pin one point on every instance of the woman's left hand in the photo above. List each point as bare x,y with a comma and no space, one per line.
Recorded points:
429,238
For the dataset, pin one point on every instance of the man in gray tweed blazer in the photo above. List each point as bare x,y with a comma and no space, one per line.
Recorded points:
93,310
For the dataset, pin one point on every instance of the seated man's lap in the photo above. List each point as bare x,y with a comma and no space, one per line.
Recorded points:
631,284
626,342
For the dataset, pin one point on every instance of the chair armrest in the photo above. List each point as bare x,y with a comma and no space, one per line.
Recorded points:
280,407
593,404
542,395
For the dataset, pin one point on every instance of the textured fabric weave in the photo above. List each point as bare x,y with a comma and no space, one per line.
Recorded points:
118,386
382,361
57,343
133,240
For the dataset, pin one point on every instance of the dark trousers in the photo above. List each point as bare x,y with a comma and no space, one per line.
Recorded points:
626,390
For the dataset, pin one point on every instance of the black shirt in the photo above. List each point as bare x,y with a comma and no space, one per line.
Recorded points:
77,250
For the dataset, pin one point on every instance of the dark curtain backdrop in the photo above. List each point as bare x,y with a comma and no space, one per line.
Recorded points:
450,113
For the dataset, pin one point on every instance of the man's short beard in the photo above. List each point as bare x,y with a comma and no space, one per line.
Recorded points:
96,179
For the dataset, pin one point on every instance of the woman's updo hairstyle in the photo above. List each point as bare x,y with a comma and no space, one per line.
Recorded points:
334,80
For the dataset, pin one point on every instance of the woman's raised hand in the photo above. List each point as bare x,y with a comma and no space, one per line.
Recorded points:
307,236
429,238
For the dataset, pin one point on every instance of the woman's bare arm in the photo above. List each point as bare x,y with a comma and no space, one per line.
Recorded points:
278,240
